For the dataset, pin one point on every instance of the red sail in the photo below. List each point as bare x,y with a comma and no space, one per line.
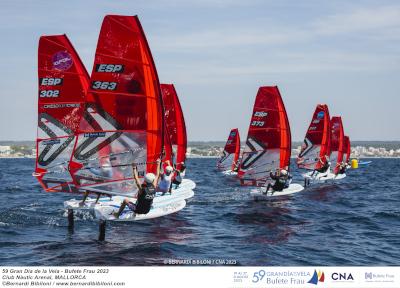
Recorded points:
268,144
168,153
347,149
230,155
123,120
63,84
317,141
175,123
337,143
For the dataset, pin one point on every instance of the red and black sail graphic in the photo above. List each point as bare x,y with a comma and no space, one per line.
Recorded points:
63,85
268,144
317,141
123,120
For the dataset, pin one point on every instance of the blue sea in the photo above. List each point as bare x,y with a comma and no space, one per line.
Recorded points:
352,222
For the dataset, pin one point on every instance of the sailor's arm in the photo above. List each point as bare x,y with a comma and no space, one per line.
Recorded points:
135,175
158,172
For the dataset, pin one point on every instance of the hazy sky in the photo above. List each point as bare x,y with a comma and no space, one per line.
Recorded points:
218,52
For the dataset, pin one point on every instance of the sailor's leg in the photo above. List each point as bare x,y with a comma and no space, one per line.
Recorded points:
268,187
123,205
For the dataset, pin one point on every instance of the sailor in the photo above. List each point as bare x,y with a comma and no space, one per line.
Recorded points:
236,166
179,175
342,168
166,179
146,193
325,166
281,178
289,177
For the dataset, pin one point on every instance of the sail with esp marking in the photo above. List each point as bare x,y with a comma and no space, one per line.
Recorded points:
268,143
317,140
63,85
123,121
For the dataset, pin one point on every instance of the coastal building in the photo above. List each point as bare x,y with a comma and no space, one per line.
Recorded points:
5,150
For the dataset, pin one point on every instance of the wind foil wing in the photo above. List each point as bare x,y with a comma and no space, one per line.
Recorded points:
63,85
337,143
175,123
230,155
123,118
317,140
268,144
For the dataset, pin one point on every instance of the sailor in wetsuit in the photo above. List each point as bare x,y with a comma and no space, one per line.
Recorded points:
165,183
342,168
324,168
146,193
179,174
281,179
236,166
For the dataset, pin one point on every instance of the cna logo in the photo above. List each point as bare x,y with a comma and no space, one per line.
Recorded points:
317,277
342,276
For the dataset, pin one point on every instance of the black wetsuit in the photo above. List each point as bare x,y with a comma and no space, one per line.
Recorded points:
175,180
324,168
280,182
342,169
144,201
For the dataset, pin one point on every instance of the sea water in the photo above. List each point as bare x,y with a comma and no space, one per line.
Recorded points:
352,222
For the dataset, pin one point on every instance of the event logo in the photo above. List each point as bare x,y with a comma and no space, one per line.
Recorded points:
62,61
317,277
342,276
379,277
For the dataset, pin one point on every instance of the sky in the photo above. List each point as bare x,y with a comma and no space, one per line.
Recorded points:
219,52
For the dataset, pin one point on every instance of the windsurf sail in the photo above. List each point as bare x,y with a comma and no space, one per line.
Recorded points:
347,149
317,141
230,155
63,84
168,153
337,141
175,123
268,144
123,118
